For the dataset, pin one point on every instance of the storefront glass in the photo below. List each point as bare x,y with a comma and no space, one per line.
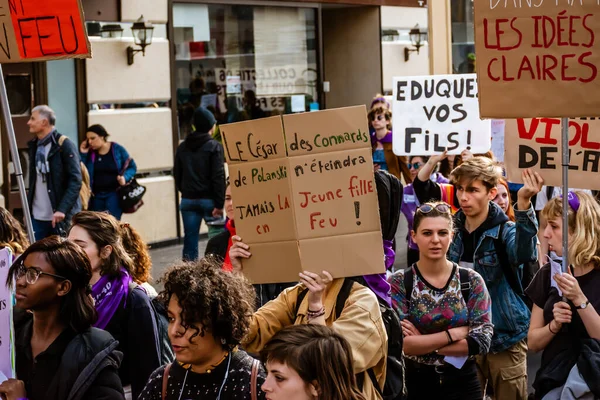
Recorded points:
244,62
463,37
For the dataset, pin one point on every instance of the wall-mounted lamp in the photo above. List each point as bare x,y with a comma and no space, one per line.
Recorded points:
111,31
142,37
417,37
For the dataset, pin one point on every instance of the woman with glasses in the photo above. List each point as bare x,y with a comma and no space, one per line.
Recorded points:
58,353
410,203
445,311
380,123
124,308
564,320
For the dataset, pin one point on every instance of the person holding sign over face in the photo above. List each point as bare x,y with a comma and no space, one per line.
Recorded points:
445,311
486,241
568,331
59,355
315,301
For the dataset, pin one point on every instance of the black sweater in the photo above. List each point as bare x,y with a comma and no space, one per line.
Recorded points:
199,169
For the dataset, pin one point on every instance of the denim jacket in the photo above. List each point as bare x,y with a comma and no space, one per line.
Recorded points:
510,314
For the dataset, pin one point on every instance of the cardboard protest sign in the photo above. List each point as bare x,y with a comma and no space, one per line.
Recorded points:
7,355
432,113
536,144
306,199
34,30
537,58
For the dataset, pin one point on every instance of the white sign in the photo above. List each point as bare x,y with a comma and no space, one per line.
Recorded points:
7,356
498,138
432,113
298,103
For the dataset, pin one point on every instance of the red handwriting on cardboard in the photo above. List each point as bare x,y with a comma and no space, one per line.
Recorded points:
545,131
548,32
48,28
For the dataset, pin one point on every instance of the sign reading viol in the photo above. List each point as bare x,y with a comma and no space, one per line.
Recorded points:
537,58
37,30
305,199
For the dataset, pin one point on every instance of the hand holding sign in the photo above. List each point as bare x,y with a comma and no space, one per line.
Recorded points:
13,389
238,251
316,285
427,170
570,288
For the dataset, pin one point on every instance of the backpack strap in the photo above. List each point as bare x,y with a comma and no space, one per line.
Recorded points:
549,192
253,379
342,296
509,274
465,283
299,301
61,140
165,380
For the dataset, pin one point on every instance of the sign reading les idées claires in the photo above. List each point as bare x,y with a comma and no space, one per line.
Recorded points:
537,143
7,358
311,205
433,113
36,30
537,58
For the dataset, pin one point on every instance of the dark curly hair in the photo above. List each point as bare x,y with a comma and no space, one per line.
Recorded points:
221,302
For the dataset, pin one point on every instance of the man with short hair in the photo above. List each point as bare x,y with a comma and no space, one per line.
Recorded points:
482,232
54,176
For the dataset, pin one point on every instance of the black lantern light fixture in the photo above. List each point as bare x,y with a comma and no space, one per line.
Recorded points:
417,39
111,31
142,37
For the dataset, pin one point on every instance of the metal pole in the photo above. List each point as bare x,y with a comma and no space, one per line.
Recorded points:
14,151
565,191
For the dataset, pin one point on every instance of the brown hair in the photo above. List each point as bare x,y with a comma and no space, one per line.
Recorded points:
445,167
420,216
381,110
69,261
221,302
104,229
318,354
138,251
11,233
510,212
477,168
584,227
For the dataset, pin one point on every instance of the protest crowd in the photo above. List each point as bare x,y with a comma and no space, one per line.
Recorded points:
301,294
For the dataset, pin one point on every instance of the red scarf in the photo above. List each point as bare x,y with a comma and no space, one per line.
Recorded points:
230,226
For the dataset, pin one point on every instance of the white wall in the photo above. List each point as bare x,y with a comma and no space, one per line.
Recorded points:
403,17
153,10
392,55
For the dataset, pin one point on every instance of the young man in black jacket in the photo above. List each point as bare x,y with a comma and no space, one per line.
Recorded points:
54,176
199,173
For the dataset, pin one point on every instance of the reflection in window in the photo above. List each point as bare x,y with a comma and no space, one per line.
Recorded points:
463,37
244,62
18,87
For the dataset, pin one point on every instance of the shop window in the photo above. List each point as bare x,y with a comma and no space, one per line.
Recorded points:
463,37
244,62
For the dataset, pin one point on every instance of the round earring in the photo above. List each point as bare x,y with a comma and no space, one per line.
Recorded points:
223,341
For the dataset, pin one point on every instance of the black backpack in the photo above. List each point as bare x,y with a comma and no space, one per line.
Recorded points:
517,283
395,388
162,325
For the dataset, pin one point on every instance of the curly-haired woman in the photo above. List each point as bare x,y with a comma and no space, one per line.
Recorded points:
11,233
209,314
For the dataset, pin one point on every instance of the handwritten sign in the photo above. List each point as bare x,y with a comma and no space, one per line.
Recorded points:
537,143
34,30
7,356
432,113
537,58
306,199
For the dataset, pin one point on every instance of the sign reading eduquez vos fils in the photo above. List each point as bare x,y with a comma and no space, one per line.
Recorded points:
538,145
305,199
537,58
36,30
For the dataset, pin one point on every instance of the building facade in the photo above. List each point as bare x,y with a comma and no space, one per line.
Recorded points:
279,56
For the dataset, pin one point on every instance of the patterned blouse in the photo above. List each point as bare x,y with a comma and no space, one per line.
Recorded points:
434,310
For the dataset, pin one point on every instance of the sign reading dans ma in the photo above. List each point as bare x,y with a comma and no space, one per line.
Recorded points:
37,30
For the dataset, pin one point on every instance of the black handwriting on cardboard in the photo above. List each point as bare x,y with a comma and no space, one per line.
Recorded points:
323,166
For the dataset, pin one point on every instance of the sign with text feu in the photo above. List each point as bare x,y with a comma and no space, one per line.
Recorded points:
538,146
38,30
305,199
538,58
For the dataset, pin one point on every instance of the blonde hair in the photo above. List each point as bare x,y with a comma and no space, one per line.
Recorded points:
584,227
477,168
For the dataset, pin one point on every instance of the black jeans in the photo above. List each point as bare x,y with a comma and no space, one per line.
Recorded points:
426,382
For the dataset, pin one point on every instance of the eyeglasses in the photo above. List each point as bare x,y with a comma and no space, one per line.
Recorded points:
32,274
416,165
379,117
427,208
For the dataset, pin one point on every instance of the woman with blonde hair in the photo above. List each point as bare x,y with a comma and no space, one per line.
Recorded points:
564,316
11,233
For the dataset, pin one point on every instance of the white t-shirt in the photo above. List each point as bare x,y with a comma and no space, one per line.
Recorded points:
42,207
542,198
